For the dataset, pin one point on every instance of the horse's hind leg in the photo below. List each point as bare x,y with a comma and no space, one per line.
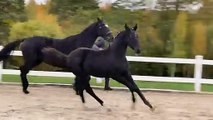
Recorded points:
91,92
76,85
24,71
80,87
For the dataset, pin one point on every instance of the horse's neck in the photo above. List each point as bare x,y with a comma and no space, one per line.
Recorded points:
88,38
89,34
85,39
119,47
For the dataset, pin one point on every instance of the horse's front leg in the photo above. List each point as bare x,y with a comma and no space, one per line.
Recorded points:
127,80
134,88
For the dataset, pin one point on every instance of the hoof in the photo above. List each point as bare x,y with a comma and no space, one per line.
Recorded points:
102,103
152,109
133,100
76,93
26,91
108,88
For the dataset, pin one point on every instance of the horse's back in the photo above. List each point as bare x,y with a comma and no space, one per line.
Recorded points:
36,42
75,60
31,47
79,53
92,61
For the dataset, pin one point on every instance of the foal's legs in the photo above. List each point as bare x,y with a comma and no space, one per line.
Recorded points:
129,82
80,86
83,83
135,88
76,85
91,92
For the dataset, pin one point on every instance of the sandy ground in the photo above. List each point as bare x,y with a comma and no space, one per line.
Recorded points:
61,103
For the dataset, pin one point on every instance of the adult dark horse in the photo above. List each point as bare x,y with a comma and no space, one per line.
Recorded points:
31,47
110,62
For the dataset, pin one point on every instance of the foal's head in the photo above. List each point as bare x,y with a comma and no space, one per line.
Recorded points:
133,40
103,30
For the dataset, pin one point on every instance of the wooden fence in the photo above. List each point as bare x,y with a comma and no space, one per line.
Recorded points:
197,80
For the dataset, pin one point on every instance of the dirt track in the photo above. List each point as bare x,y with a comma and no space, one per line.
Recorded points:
61,103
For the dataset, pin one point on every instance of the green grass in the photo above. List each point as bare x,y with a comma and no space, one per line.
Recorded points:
152,85
37,79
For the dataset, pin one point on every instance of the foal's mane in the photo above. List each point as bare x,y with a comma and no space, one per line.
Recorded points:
117,37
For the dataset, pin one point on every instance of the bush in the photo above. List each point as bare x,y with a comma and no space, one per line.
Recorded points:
29,29
34,28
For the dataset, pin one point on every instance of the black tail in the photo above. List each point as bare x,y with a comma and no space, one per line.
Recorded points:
5,52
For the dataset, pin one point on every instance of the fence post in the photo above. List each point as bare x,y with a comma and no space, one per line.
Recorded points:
198,69
1,66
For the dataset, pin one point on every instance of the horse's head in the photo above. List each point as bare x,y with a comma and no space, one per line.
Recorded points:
133,40
103,30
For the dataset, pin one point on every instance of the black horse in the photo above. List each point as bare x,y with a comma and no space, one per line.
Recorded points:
110,63
31,47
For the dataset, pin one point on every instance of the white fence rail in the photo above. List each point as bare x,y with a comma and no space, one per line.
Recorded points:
198,62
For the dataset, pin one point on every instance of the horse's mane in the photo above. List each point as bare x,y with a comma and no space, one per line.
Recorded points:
89,27
85,30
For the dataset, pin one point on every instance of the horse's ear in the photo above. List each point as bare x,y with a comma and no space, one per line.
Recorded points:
126,27
135,27
99,19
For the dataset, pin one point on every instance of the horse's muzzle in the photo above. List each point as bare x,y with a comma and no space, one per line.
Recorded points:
109,37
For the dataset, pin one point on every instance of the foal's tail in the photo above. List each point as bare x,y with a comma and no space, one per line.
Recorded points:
54,57
5,52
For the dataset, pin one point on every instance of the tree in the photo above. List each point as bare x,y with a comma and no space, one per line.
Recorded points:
40,23
66,8
40,13
199,46
10,12
178,39
178,36
34,28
